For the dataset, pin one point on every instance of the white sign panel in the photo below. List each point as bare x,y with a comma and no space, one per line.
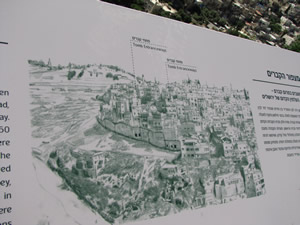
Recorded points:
113,116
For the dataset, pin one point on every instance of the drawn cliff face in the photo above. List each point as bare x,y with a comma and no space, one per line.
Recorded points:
133,149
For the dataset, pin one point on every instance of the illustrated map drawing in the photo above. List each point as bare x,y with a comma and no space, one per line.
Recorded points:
133,149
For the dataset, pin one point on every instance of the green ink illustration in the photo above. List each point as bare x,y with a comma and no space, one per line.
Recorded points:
133,149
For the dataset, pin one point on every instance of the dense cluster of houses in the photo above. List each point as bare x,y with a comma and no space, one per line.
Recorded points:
194,119
184,114
226,185
259,17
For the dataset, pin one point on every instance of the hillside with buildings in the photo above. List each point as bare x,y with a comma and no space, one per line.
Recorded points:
132,149
274,22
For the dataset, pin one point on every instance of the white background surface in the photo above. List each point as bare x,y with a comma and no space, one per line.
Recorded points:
82,31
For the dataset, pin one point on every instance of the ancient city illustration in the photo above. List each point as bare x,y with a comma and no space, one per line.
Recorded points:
133,149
